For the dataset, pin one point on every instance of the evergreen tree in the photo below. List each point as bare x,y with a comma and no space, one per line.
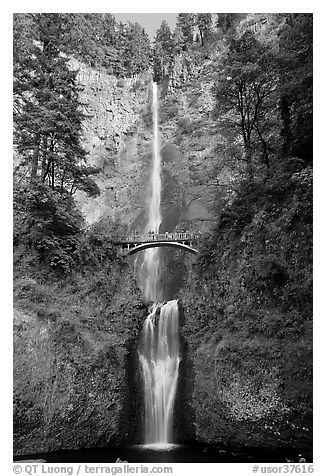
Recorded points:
226,21
47,228
47,115
137,49
82,37
204,24
162,51
178,40
186,23
96,39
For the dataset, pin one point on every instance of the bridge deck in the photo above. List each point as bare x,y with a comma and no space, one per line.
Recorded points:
149,238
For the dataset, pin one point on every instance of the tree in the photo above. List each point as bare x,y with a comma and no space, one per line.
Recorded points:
47,111
226,21
294,63
178,41
88,36
162,51
137,50
47,227
246,82
99,41
204,24
185,24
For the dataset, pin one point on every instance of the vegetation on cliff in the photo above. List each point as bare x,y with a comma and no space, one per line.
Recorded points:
77,315
77,308
248,308
248,299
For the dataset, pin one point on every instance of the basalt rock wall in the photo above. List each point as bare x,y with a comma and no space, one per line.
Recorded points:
118,137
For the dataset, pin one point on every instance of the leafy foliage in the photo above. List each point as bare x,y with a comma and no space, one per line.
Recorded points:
227,21
248,309
260,84
248,299
295,66
136,50
245,93
97,246
47,228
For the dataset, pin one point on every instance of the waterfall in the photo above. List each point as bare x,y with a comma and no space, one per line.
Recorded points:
159,358
159,343
151,256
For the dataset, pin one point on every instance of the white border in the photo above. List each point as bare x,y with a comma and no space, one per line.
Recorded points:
319,198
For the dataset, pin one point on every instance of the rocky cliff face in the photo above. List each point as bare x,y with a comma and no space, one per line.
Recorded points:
189,132
74,365
118,133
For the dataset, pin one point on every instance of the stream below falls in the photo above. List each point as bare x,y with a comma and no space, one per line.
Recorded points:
190,453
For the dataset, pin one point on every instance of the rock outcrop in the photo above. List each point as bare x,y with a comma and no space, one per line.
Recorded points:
117,136
74,366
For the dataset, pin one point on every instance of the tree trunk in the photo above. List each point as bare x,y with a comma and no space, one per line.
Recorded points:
47,169
52,162
52,174
201,37
44,161
35,159
249,161
286,125
265,148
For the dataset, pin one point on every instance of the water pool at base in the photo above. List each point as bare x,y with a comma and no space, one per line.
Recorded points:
194,453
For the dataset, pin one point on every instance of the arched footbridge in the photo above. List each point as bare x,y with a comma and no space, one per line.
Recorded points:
135,243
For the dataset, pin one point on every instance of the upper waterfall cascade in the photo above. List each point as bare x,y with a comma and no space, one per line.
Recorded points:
151,256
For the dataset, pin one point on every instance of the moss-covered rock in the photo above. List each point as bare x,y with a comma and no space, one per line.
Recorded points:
73,385
248,319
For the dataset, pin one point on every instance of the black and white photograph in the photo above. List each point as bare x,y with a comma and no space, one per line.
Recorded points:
162,241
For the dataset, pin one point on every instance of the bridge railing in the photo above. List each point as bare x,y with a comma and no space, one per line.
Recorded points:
186,236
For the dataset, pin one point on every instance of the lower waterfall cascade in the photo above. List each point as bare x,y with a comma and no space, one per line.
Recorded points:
159,357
